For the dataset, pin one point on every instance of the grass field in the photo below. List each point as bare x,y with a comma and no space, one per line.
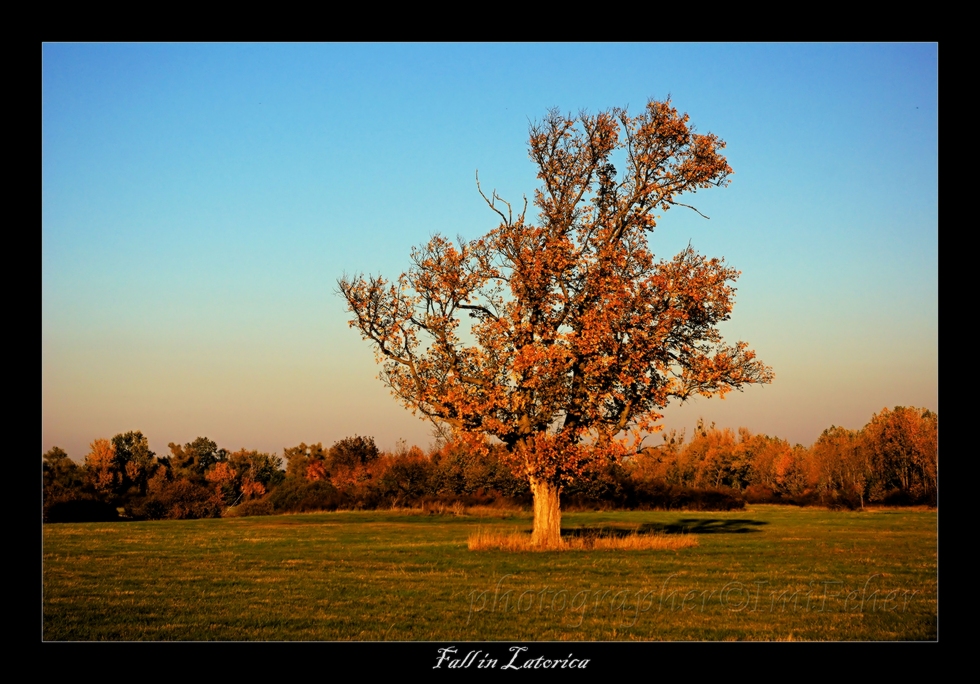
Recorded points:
765,573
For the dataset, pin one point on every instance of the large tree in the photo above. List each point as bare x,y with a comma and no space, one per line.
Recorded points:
577,337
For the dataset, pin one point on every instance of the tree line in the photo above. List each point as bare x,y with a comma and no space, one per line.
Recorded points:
891,461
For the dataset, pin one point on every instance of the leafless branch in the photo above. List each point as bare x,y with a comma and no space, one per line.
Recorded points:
681,204
490,203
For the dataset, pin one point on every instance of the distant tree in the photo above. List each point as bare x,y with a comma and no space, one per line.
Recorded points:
658,462
793,472
405,477
903,446
172,494
67,496
60,473
306,462
840,463
766,455
461,469
225,481
351,452
247,474
195,458
134,461
712,454
103,472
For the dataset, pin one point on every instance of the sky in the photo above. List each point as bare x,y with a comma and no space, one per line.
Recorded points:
199,203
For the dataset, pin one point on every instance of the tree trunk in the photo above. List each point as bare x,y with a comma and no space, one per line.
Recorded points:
547,515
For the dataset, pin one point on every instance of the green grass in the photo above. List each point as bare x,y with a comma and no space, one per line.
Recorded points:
765,573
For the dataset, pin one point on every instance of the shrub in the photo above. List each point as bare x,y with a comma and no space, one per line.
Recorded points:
660,495
251,508
80,508
460,469
297,496
603,488
404,479
760,494
178,499
898,497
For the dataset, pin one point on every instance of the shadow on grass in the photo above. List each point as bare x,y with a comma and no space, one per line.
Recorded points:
682,526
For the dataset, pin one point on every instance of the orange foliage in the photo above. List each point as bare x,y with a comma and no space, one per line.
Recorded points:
838,462
903,446
316,470
100,464
252,489
576,333
790,470
221,474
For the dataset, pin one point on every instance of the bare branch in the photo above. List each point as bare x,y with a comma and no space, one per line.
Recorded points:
681,204
510,213
488,201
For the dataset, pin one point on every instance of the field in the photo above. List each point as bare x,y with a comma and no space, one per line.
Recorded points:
765,573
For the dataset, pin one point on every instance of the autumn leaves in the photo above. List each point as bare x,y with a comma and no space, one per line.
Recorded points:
580,334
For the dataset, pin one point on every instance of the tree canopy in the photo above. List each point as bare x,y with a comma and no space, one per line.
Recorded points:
576,334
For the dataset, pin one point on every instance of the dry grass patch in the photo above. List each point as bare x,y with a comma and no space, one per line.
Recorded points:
485,540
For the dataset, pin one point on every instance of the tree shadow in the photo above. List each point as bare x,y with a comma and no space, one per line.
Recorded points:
705,526
682,526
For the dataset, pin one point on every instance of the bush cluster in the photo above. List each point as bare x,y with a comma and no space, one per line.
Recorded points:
891,461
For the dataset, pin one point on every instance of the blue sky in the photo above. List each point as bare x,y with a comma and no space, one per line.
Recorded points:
200,201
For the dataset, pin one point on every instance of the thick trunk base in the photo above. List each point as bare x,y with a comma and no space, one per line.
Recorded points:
547,515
